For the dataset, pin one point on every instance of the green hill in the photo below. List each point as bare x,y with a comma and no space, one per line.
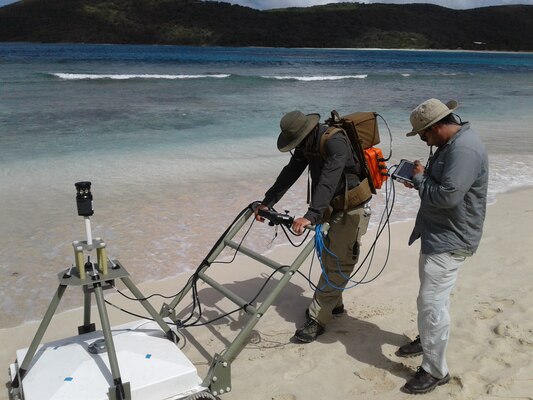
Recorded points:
195,22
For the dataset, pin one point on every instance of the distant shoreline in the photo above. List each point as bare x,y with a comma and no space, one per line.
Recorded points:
279,47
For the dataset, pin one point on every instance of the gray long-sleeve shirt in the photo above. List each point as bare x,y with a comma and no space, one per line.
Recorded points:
453,196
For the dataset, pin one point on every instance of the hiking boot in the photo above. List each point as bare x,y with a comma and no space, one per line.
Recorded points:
309,332
424,382
411,349
336,311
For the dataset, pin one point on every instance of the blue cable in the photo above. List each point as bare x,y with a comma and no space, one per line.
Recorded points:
320,247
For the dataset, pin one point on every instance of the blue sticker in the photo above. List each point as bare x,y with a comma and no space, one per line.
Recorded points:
68,379
148,356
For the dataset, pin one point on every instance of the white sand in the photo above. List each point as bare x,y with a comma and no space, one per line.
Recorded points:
491,346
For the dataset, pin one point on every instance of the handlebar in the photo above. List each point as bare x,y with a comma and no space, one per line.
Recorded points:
276,218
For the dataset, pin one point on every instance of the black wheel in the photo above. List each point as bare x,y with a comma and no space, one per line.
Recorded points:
202,396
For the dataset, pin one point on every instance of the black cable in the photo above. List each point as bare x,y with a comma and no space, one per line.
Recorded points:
265,283
240,308
284,229
196,299
386,224
194,277
172,296
196,323
381,226
196,304
393,190
295,234
128,312
197,269
238,247
390,136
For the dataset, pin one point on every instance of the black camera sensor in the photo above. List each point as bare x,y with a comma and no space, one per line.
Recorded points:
84,199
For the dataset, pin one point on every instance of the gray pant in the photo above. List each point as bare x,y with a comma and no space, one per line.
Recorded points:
343,240
438,274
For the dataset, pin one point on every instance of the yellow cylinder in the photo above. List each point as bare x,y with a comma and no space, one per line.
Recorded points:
102,259
79,262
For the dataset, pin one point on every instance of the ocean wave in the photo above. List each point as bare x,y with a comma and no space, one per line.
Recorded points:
315,78
70,76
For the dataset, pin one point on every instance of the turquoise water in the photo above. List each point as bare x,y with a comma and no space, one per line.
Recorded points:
177,140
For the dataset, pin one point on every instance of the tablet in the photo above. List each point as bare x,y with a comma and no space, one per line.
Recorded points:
404,172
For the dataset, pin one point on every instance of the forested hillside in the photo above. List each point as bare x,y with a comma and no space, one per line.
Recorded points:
195,22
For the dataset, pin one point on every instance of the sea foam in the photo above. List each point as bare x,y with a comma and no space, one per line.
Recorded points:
317,78
70,76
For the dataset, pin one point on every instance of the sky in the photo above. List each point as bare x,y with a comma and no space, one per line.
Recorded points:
457,4
266,4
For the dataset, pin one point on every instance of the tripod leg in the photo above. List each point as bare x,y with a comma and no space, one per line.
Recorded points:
40,332
151,310
87,325
119,389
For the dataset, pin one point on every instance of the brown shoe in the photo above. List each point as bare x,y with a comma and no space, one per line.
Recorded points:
424,382
410,349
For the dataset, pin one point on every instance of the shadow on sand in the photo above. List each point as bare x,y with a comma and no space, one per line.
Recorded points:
363,340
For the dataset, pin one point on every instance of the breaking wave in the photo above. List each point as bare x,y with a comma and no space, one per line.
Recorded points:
317,78
69,76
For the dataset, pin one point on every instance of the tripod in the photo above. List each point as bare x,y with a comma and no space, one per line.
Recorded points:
93,278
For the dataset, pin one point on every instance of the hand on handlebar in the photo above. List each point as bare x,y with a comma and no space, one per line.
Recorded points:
256,212
299,225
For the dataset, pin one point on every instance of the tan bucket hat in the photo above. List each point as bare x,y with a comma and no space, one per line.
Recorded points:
295,126
429,112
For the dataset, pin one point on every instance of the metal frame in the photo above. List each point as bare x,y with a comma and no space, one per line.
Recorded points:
218,379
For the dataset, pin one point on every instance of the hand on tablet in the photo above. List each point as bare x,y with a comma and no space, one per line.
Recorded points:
418,167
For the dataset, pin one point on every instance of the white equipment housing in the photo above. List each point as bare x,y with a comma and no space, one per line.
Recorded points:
153,365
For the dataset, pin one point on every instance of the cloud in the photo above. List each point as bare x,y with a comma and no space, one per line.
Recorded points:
457,4
268,4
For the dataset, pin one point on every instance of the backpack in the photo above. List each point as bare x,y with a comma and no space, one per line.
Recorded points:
361,128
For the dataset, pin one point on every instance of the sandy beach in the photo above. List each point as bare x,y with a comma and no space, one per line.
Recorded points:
491,346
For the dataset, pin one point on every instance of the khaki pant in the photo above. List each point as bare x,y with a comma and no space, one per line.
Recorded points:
438,275
344,240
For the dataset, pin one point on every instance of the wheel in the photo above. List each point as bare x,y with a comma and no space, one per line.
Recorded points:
202,396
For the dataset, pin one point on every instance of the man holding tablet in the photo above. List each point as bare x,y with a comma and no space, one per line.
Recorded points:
449,223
